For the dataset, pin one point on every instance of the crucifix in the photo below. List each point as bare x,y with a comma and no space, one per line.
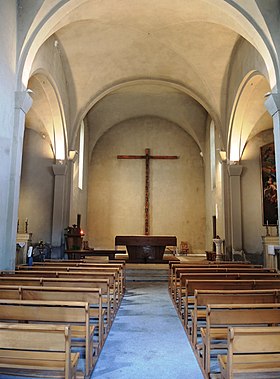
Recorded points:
147,158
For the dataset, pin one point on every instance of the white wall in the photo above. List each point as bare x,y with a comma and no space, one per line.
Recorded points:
116,187
7,96
251,192
37,185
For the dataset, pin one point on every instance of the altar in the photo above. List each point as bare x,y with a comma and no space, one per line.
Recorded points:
145,249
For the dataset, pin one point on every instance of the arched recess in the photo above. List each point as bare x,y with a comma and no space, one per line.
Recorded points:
248,109
44,144
138,84
46,115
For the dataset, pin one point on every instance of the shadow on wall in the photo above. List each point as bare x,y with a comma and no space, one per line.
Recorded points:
255,258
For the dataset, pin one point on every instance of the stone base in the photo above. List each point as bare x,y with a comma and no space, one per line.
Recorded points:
193,257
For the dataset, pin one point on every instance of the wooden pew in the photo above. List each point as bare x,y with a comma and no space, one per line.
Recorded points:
222,273
71,313
114,287
214,269
192,285
220,316
218,276
92,296
204,297
77,263
97,272
31,349
251,351
205,264
103,284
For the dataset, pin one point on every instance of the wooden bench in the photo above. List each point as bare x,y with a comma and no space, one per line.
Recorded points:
192,285
222,274
37,349
92,296
77,263
180,292
220,316
252,353
177,270
112,273
108,300
79,276
204,297
71,313
205,264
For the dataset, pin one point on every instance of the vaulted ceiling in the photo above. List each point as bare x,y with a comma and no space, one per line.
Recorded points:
160,58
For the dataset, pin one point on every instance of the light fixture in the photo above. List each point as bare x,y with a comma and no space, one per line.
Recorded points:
223,155
72,155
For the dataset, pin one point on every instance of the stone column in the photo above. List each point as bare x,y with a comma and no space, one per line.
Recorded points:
226,211
73,155
235,206
11,181
272,104
59,171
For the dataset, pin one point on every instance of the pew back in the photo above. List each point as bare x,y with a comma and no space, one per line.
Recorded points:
253,351
44,349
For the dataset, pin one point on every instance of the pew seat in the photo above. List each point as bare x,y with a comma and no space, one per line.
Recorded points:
37,350
252,353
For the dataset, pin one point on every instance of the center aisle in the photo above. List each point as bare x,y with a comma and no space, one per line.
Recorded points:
147,340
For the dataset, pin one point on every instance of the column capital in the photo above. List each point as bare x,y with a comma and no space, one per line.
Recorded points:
59,169
23,101
235,170
272,103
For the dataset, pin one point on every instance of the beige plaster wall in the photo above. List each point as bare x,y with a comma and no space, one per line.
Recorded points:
116,187
36,190
251,194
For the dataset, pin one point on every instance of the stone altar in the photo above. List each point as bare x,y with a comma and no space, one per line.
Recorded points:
145,249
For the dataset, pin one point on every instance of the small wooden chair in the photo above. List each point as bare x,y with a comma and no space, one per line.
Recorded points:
184,248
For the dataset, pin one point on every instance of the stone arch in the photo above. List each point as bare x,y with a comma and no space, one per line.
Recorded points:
52,118
177,86
247,109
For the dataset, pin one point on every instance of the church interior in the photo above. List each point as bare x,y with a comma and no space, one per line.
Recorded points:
151,119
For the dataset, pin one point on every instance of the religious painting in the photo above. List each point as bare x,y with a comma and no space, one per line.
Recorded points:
269,185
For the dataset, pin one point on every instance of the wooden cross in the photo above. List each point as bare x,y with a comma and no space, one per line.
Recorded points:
147,158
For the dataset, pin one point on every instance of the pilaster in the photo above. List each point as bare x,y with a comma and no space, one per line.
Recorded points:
235,172
272,104
59,171
22,104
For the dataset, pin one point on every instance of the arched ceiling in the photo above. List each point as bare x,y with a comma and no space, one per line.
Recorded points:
184,42
250,116
45,116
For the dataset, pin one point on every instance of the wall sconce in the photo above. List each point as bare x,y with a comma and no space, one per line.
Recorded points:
223,155
72,155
